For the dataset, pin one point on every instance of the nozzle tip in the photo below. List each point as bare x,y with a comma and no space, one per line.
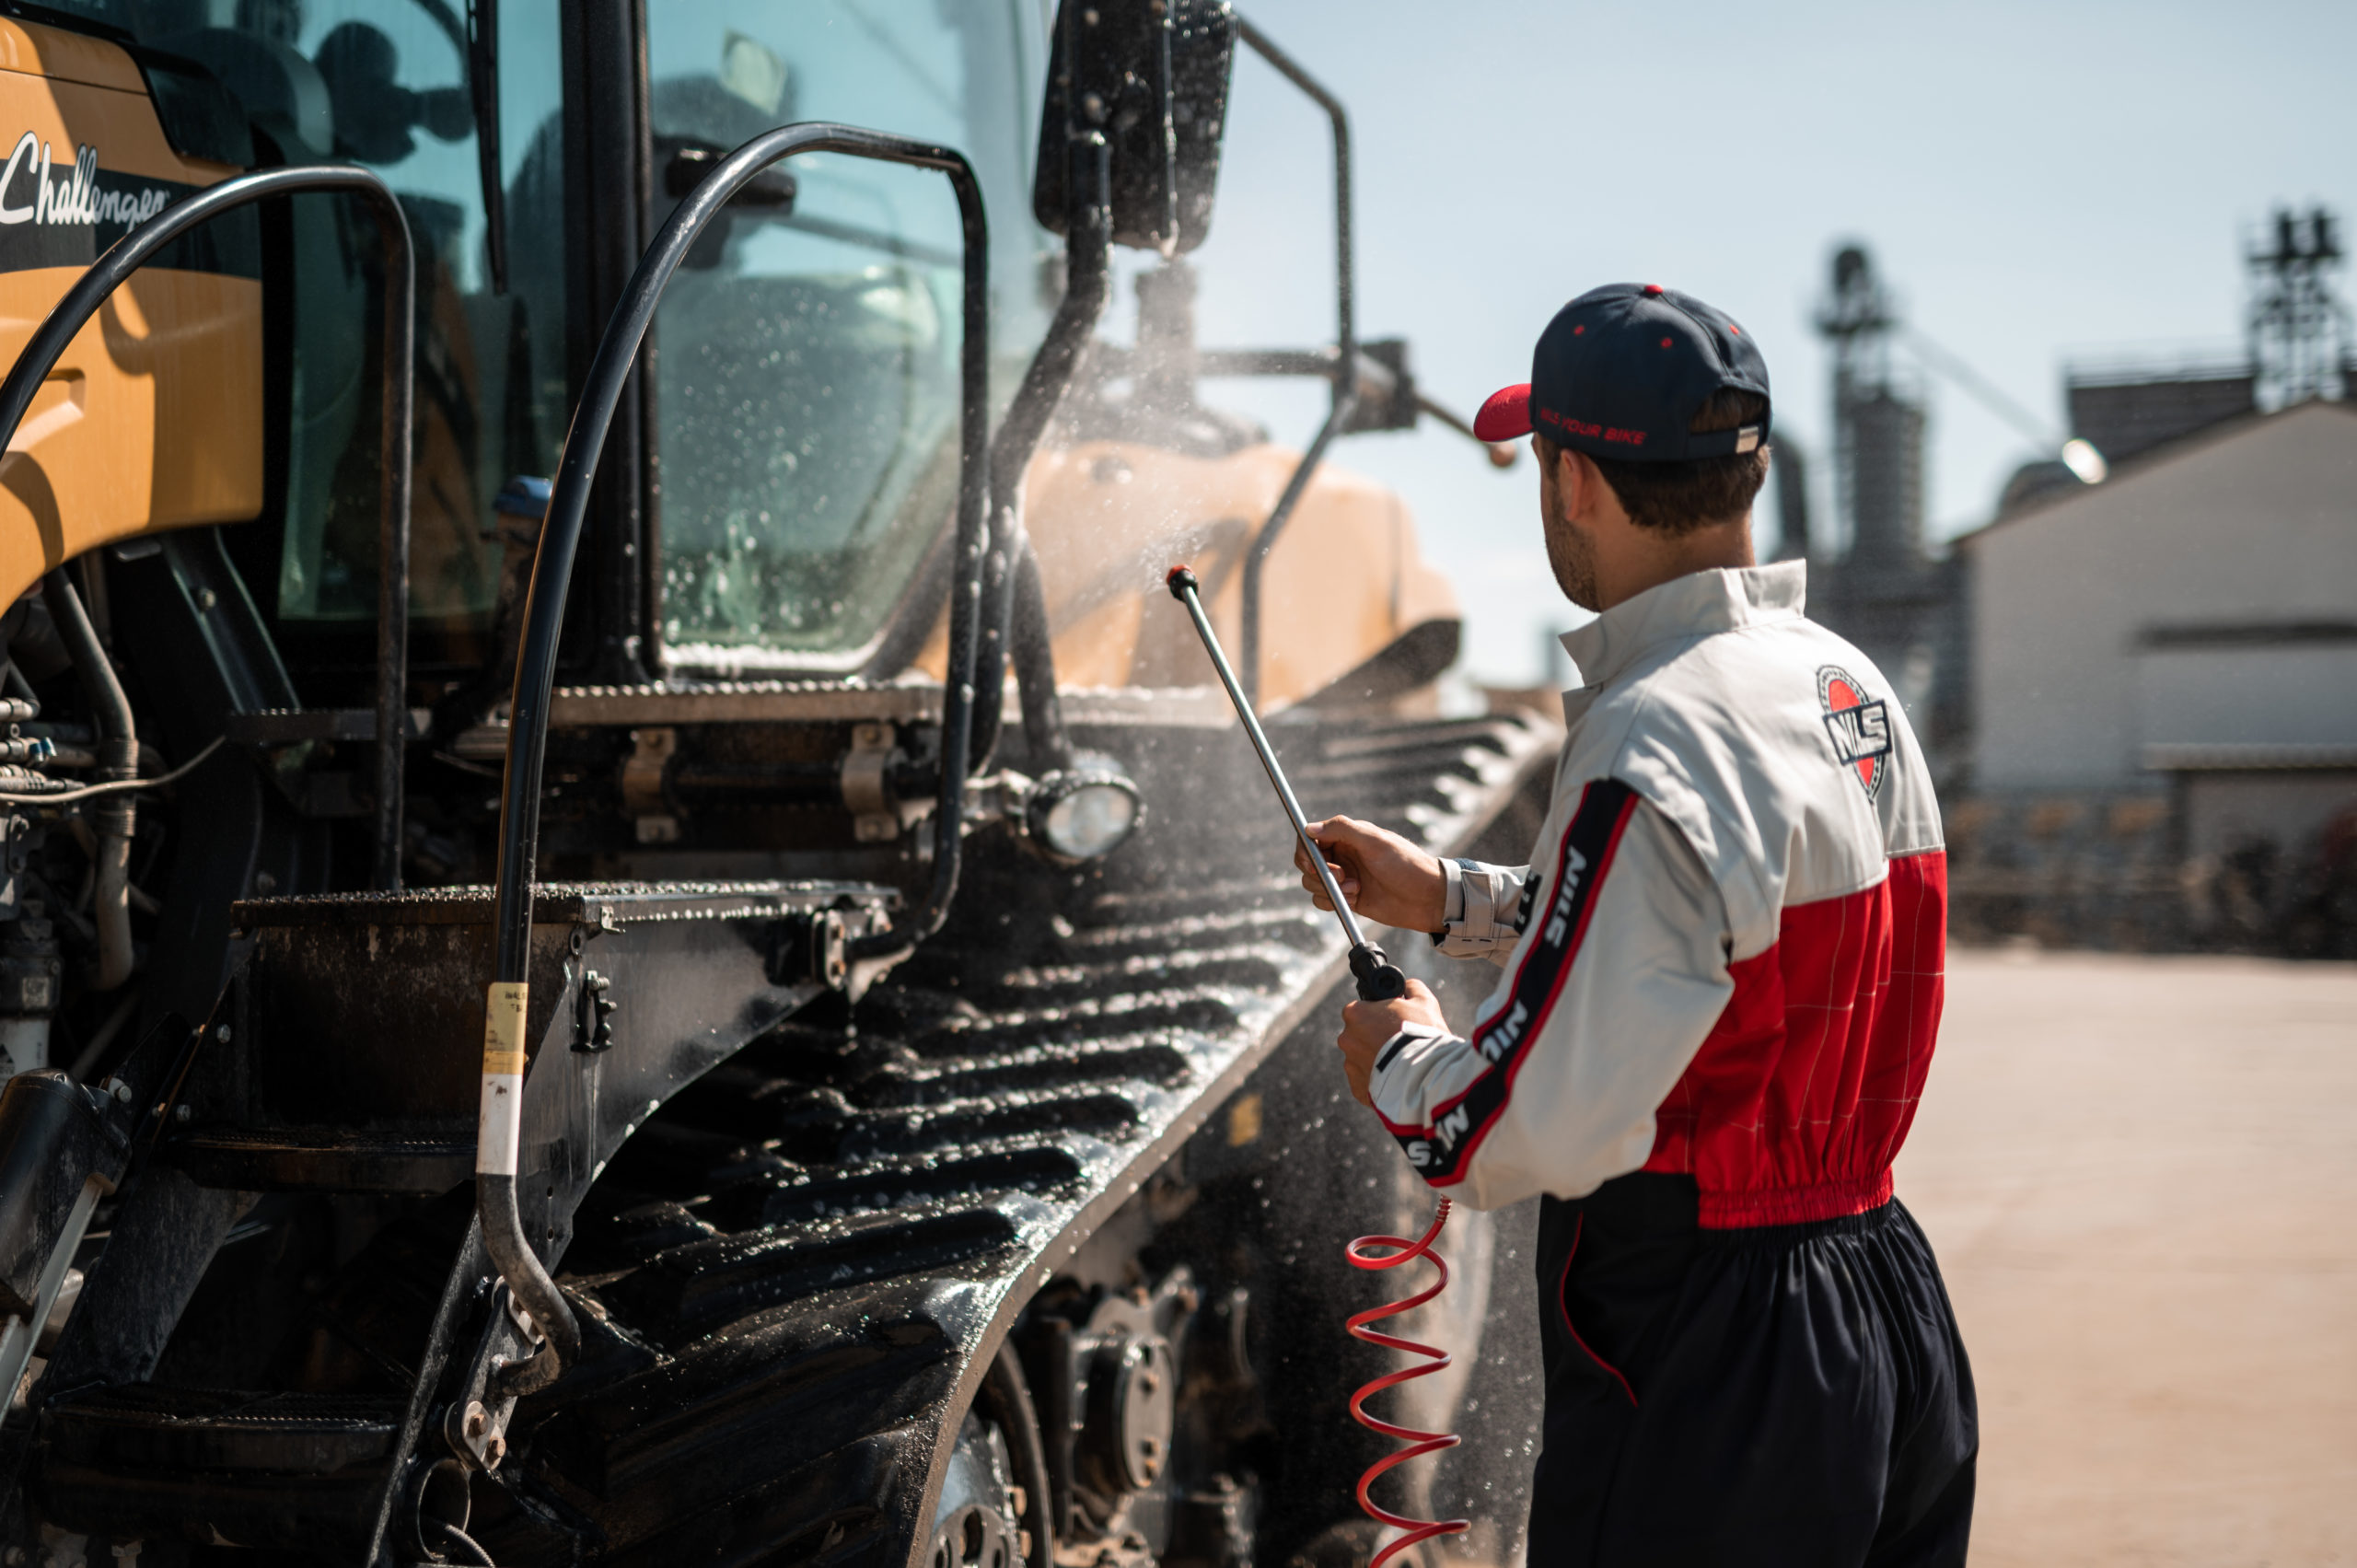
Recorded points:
1180,580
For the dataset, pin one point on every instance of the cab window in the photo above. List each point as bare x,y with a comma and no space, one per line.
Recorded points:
807,363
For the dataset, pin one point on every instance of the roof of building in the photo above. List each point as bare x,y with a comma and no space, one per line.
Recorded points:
2167,455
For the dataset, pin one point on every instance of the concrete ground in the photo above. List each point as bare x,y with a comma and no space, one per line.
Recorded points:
2141,1176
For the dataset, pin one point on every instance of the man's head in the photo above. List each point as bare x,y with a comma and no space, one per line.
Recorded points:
1650,414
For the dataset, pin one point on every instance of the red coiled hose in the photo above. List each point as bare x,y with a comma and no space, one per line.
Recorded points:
1362,1255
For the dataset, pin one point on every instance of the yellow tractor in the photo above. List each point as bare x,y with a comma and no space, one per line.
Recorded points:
630,930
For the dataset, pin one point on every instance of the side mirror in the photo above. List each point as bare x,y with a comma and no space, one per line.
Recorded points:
1151,77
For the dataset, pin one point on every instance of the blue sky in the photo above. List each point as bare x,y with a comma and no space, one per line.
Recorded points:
2040,183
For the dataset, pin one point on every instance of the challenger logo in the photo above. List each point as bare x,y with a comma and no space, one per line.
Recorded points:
56,214
1860,729
30,191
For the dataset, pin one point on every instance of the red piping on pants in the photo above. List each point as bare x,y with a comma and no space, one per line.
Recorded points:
1565,1309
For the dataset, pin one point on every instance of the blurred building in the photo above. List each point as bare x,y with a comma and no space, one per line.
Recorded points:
2170,658
2163,666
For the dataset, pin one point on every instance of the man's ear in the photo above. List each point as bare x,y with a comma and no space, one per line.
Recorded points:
1565,478
1578,482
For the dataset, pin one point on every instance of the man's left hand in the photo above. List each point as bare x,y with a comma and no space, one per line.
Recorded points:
1367,1026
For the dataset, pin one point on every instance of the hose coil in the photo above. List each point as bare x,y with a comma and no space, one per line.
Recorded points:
1367,1252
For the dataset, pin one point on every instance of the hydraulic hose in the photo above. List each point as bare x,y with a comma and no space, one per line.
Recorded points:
499,1132
113,816
1033,646
139,246
1014,612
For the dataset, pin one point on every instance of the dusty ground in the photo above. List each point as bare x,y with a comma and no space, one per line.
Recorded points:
2141,1175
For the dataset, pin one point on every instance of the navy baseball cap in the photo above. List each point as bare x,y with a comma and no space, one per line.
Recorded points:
1621,371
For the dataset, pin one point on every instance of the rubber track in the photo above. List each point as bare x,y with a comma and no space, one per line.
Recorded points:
788,1269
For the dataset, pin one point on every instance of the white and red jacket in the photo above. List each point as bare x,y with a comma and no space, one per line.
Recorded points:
1724,960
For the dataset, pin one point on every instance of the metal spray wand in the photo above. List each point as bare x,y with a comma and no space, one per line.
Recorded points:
1379,979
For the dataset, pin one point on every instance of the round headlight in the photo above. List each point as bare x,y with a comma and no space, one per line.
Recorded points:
1081,813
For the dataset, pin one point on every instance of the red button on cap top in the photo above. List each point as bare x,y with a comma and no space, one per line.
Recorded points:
1653,288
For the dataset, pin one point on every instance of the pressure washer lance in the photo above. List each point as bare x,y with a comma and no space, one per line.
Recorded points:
1379,979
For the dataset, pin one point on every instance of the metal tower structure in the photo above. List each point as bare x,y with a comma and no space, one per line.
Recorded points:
1877,427
2299,329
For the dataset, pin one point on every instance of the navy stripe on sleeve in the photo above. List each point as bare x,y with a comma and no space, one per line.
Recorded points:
1441,1150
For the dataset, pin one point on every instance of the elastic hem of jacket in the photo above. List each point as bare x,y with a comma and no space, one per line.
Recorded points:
1791,1205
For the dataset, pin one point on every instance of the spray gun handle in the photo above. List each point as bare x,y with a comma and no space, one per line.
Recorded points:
1379,979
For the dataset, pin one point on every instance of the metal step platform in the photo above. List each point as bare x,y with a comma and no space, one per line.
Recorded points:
351,1055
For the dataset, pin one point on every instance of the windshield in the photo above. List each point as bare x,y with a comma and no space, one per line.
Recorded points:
807,363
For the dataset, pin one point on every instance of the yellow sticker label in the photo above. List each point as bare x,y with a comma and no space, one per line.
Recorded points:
503,1028
1244,1122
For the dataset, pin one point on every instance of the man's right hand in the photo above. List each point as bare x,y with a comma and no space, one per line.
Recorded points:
1385,879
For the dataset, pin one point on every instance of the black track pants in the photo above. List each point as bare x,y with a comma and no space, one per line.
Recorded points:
1791,1395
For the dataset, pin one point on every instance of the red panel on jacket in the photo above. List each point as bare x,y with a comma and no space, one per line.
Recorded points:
1800,1098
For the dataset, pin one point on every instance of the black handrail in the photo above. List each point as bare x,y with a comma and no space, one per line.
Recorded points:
1346,385
520,815
135,250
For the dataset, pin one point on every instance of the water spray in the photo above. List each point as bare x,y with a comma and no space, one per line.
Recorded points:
1378,980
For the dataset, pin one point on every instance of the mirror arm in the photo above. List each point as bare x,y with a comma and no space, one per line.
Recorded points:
1376,382
1346,352
1502,453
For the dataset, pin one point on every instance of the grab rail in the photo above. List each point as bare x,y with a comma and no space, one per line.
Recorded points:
499,1138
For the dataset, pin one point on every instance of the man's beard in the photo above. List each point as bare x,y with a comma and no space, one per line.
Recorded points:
1568,550
1573,560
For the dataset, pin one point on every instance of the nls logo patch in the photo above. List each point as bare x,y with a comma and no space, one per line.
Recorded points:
1861,729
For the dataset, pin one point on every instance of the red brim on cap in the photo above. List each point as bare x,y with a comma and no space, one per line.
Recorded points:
1506,416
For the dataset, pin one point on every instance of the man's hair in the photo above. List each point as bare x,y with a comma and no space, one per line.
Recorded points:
1677,498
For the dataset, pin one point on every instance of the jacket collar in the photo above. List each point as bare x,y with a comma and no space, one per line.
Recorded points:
1693,606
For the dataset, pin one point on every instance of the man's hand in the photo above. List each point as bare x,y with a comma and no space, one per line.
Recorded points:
1385,879
1368,1025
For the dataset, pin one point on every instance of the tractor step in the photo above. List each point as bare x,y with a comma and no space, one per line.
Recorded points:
348,1058
271,1469
214,1429
322,1159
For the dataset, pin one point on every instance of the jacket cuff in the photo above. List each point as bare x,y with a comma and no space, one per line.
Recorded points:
1482,899
1402,1044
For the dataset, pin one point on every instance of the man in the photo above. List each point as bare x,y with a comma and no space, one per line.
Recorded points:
1722,981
